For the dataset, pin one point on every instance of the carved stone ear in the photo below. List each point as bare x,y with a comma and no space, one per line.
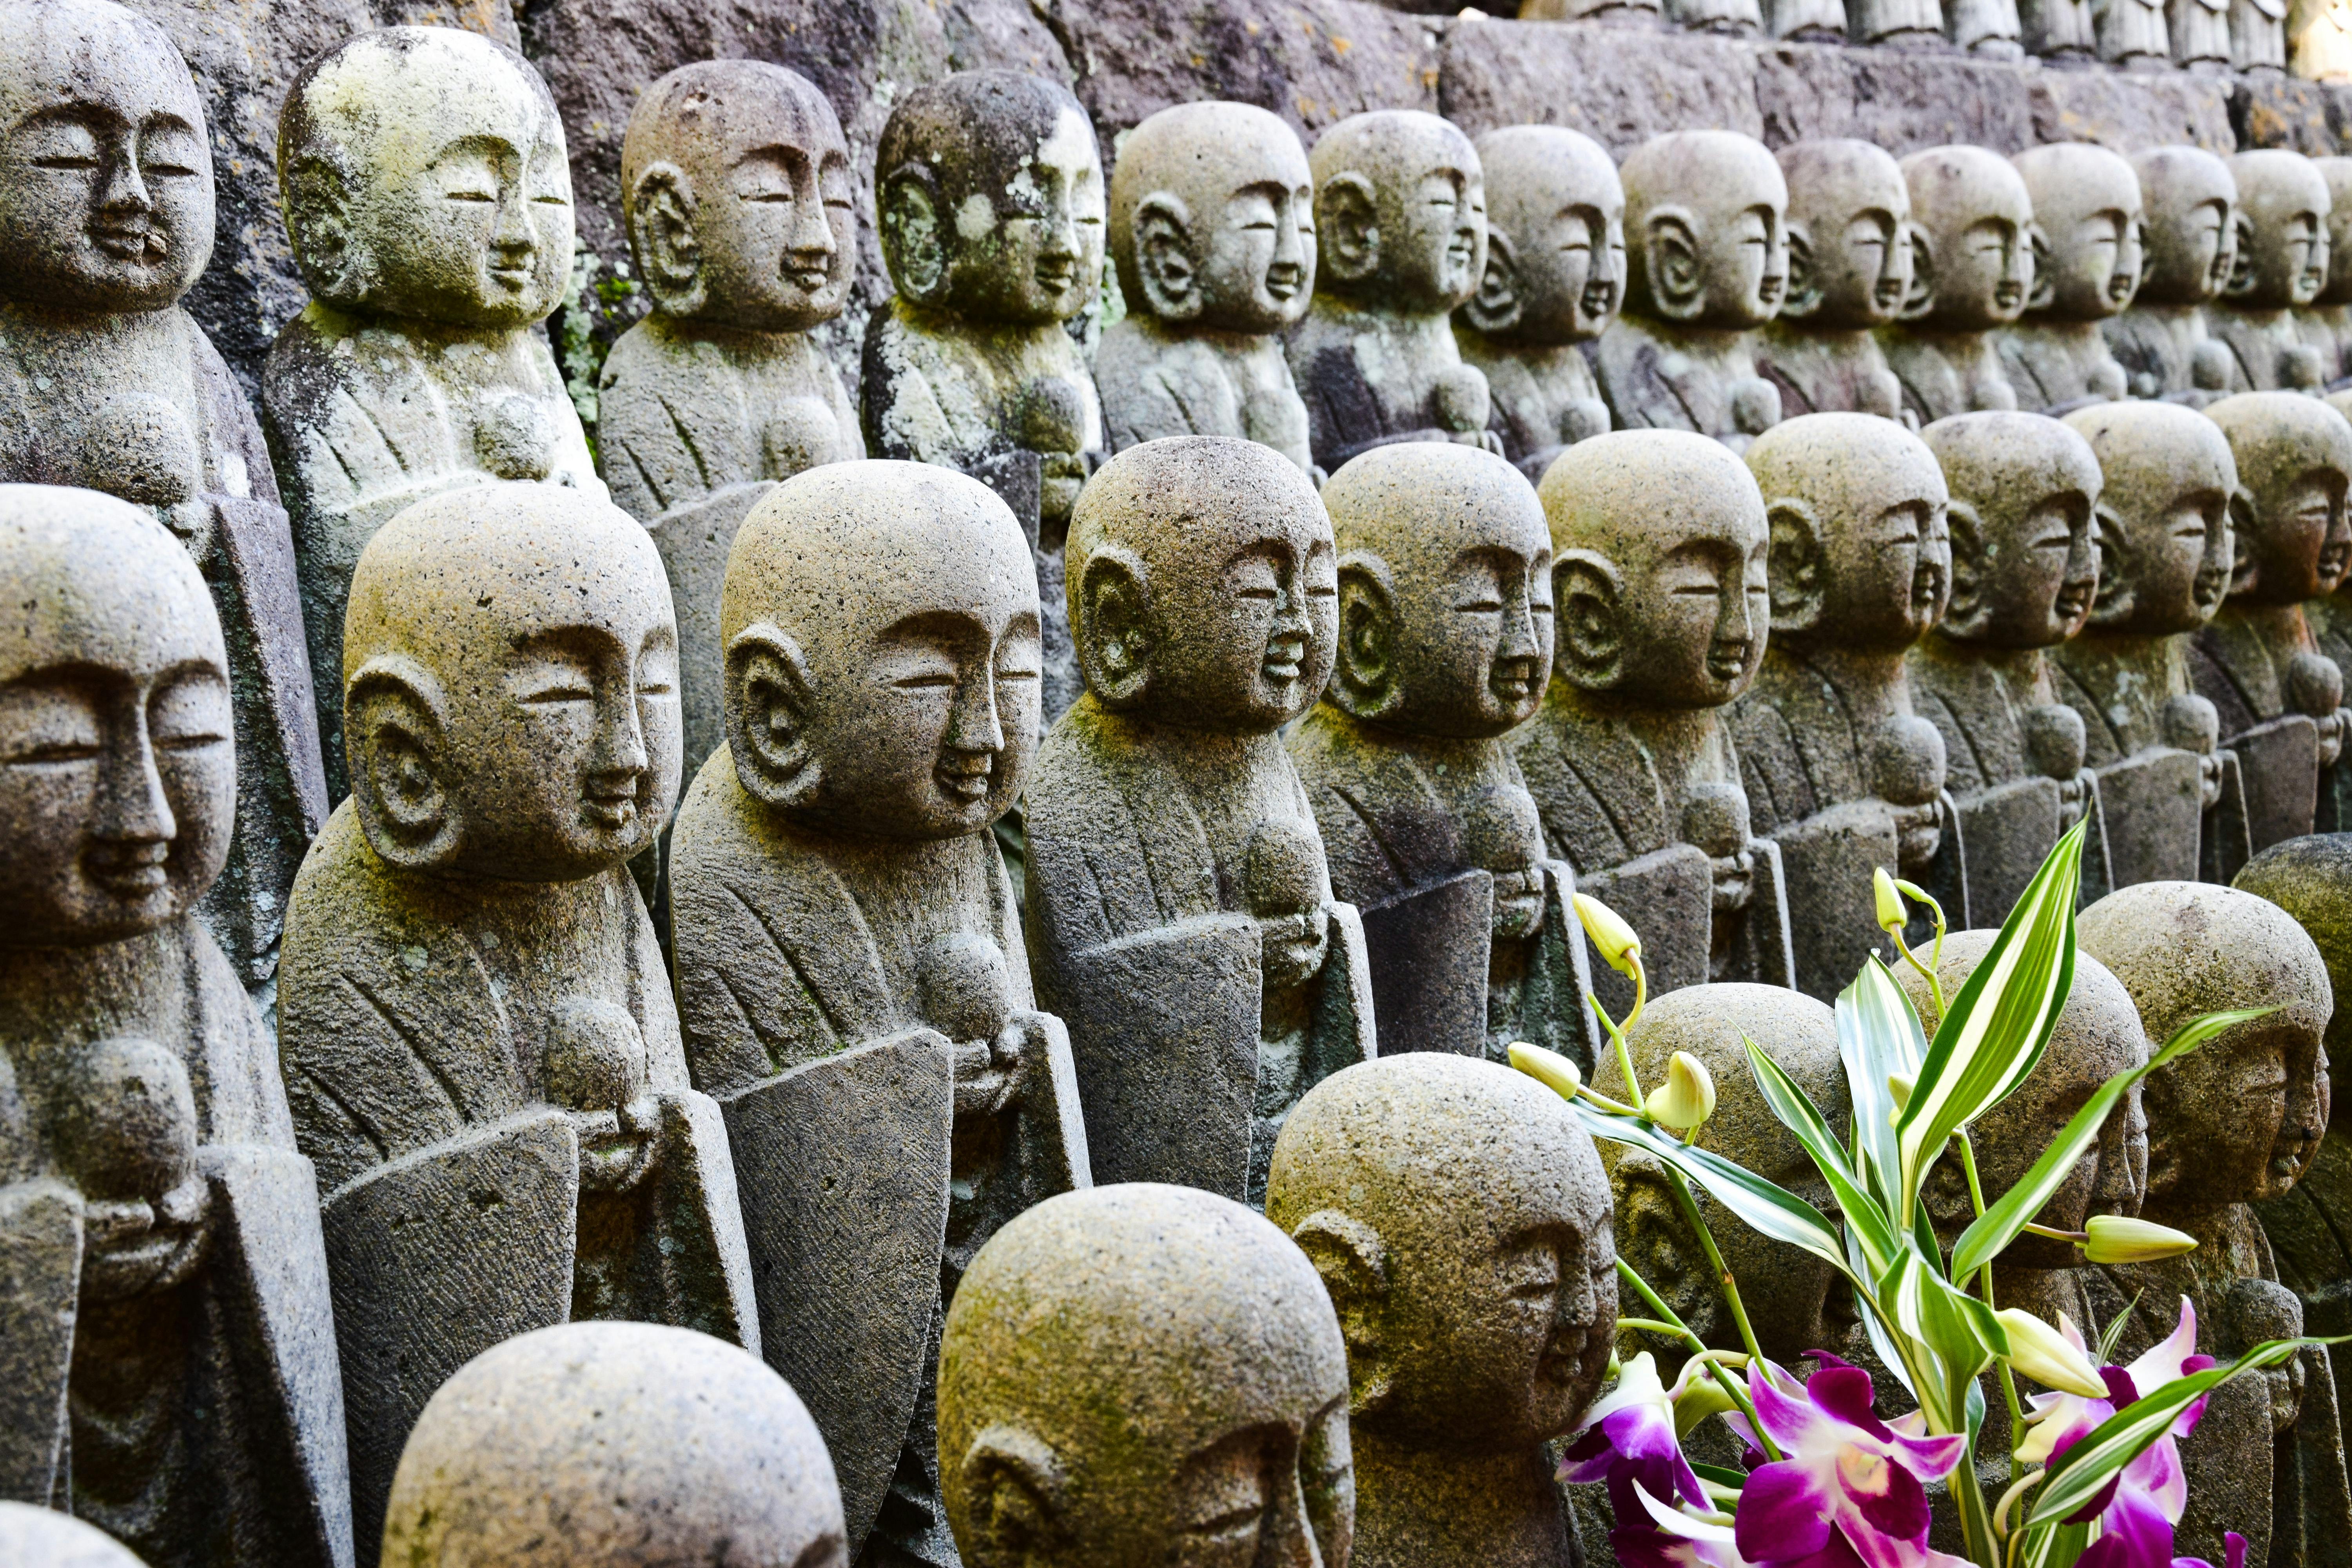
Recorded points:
1364,681
1671,258
1163,256
662,237
1804,295
1114,630
1965,612
1500,302
1920,297
1017,1487
2111,602
1348,222
394,718
2038,298
2242,570
1589,625
317,204
2241,257
1795,569
912,243
1354,1264
767,698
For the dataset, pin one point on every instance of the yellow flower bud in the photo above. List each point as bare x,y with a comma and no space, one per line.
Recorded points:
1687,1097
1892,915
1900,1088
1551,1070
2042,1353
2117,1240
1615,940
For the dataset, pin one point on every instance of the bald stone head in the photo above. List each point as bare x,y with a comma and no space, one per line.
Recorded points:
2338,173
1460,1218
2025,562
2294,455
54,1540
1848,256
1144,1374
1974,256
105,183
1860,553
1707,227
880,623
1212,218
1555,236
2190,199
511,685
2086,212
1400,210
2281,230
1445,614
118,767
1792,1298
2241,1117
598,1444
2311,879
1659,547
1203,585
989,187
2098,1035
2163,516
738,196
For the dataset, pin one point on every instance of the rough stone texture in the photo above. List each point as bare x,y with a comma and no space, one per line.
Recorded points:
1636,780
2163,342
615,1445
1445,643
477,1028
1943,349
2087,256
29,1535
852,980
1902,101
2131,113
1849,272
1621,85
167,1363
1104,1347
1460,1219
1182,921
2279,269
2307,117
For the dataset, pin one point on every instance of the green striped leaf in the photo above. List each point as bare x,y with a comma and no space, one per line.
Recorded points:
1801,1116
1879,1037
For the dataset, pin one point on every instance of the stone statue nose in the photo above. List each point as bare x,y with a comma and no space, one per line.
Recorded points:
131,805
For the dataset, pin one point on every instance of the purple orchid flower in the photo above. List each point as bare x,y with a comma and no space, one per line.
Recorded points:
1628,1437
2233,1544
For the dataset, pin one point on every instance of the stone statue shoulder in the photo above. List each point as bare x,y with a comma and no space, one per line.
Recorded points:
1596,790
935,390
1379,811
1776,724
1157,383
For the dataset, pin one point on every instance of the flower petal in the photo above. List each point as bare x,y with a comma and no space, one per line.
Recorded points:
1844,1394
1783,1512
1898,1509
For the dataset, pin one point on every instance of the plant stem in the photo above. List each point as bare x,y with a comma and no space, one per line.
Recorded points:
1731,1385
1652,1326
1714,1260
2008,1378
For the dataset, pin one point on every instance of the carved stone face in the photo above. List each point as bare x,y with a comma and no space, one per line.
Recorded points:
1860,557
1849,252
1975,263
1659,548
991,190
1445,610
424,174
1478,1290
1555,236
2025,562
2241,1117
106,183
2338,173
741,210
2163,516
904,705
1401,207
2295,461
2190,201
1706,214
2086,209
1144,1374
1203,585
2281,230
117,769
510,686
1212,218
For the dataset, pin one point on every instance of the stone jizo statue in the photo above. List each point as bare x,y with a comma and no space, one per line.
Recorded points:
1973,265
2258,37
477,1028
1213,229
107,384
1460,1219
736,185
172,1374
1182,919
2063,32
1707,264
615,1445
1445,647
1849,272
2087,267
427,191
1898,23
2189,200
852,980
2202,42
1401,236
2280,249
1555,276
1144,1374
2327,324
32,1535
989,191
1989,29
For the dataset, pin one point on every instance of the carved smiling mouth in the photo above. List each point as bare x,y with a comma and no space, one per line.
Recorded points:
130,241
1727,661
1600,298
966,777
1513,682
2121,287
1888,292
2073,602
1286,660
1056,272
1769,289
609,806
2008,296
808,279
2334,560
1282,283
128,870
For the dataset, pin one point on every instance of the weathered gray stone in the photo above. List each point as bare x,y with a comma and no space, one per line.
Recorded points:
615,1445
166,1350
2327,324
2086,268
30,1535
1901,99
1460,1219
1964,288
2163,340
2280,267
1621,85
1849,272
2132,113
478,1033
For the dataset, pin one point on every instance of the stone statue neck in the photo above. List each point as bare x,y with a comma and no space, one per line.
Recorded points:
1673,728
1372,313
2022,668
939,320
78,319
1697,337
1442,1508
1854,671
1224,339
432,332
53,996
1465,752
